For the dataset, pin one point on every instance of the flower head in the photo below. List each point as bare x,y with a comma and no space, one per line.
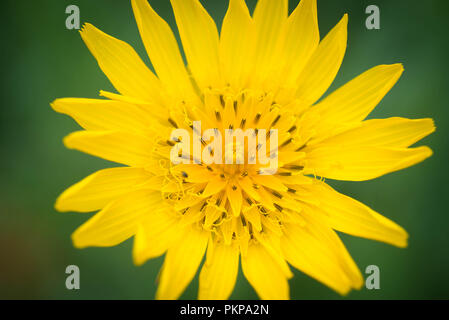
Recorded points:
263,72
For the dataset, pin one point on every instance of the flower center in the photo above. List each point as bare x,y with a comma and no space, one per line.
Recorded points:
226,168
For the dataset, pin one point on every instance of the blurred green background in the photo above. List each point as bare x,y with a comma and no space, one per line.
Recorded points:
41,60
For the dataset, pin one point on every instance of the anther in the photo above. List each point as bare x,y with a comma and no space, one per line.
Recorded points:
275,120
276,194
300,148
172,122
286,142
294,167
291,129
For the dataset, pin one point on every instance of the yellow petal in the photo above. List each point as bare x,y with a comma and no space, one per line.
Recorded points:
264,274
219,272
97,190
270,181
235,198
157,233
163,50
99,115
193,173
122,147
248,186
121,64
117,221
213,187
301,39
199,38
358,163
348,215
270,239
317,251
323,65
357,98
181,263
237,34
392,132
269,20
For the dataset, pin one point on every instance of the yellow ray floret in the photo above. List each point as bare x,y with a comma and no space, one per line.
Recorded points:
264,72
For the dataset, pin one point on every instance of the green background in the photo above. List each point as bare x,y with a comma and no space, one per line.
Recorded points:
42,60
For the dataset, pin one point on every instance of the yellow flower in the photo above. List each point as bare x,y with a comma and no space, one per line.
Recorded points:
265,71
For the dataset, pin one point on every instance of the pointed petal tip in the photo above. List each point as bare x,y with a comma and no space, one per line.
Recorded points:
86,27
77,243
137,260
68,140
53,105
57,105
426,152
401,240
396,67
58,205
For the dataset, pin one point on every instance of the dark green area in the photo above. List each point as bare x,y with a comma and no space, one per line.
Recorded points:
42,60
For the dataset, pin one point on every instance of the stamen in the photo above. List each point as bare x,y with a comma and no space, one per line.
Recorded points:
300,148
294,167
286,142
276,194
243,220
173,123
275,120
195,130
